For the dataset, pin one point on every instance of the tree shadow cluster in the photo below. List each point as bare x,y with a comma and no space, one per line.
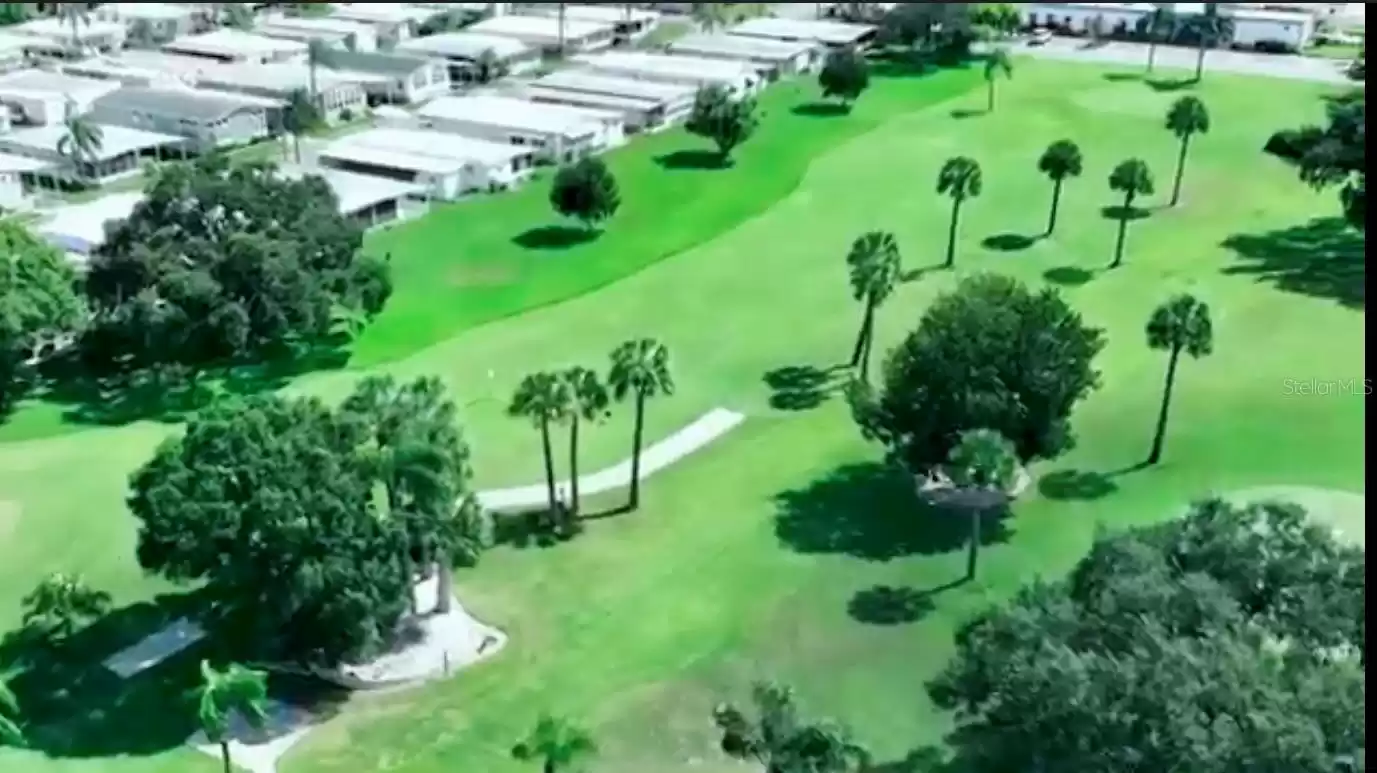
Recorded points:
693,159
1324,258
554,237
803,387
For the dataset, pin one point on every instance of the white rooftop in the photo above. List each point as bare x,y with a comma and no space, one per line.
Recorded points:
12,163
741,47
611,102
464,45
80,228
229,43
667,65
273,77
539,27
355,192
509,113
150,11
593,82
421,150
57,29
314,24
833,32
13,43
384,12
55,83
115,140
602,14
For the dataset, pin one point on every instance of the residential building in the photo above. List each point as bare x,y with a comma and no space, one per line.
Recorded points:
141,68
340,96
739,78
545,32
57,39
392,22
556,135
14,52
234,46
464,50
444,165
121,153
207,119
80,229
14,170
1252,27
39,97
367,200
628,22
394,77
671,102
775,58
833,34
162,21
336,33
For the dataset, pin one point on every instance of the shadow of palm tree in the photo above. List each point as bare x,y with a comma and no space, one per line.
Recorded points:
803,387
1009,242
821,109
1068,276
886,605
1324,258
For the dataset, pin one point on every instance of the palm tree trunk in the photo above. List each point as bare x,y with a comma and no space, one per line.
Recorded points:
865,355
1200,60
990,96
1056,204
444,586
561,28
951,232
574,466
549,464
1123,231
864,333
973,555
225,756
637,437
1152,55
1180,170
1159,438
296,147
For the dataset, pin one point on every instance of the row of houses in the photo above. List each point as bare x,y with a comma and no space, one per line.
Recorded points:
1253,25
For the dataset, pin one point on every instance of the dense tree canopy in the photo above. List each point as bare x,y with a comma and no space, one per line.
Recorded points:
1333,155
304,523
586,191
845,74
39,304
225,263
991,354
1228,641
722,118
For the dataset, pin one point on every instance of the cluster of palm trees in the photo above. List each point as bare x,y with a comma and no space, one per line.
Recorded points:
639,370
1209,28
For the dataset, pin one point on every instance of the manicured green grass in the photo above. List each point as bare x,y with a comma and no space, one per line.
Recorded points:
747,560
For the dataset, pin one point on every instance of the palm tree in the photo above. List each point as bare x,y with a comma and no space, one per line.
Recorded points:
779,740
11,730
960,179
557,744
1179,325
982,462
81,140
74,15
561,15
543,398
997,63
1133,179
1060,162
60,604
300,117
1210,29
236,690
142,34
874,265
234,15
588,401
317,56
1158,25
710,16
488,67
1187,118
640,369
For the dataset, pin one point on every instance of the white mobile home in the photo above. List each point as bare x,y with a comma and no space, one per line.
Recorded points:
557,135
1291,30
14,52
737,77
392,22
638,114
544,32
207,119
162,21
673,101
629,23
339,95
60,41
833,34
464,50
393,78
774,57
142,68
338,33
366,200
122,151
232,46
13,169
444,166
39,97
79,229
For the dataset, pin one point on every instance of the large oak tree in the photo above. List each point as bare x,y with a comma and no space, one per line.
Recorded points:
39,305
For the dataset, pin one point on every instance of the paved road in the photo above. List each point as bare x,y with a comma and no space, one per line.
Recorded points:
1172,57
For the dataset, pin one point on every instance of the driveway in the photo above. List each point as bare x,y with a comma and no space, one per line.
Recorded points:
1241,62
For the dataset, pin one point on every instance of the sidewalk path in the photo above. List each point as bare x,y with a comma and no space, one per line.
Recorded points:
1169,58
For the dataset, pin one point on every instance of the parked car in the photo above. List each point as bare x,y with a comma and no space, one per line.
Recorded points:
1040,36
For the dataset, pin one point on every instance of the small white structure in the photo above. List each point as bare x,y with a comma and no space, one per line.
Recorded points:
463,50
40,97
1288,29
120,154
339,33
444,166
558,135
79,230
670,102
14,52
231,45
737,77
338,94
1291,30
67,43
13,195
163,21
367,200
774,57
628,22
833,34
544,32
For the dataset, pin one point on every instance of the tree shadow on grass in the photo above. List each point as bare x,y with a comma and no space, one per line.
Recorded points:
821,109
803,387
1068,276
533,528
1324,258
1076,485
1169,85
962,113
885,605
871,511
700,160
1119,212
554,237
1122,77
1009,242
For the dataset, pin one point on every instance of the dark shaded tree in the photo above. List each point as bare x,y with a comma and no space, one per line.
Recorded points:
639,371
874,266
235,691
61,604
1226,641
39,307
589,400
586,191
1060,162
844,75
543,399
11,719
1132,178
779,740
300,117
1209,29
998,64
960,179
721,118
269,505
990,354
1179,326
944,29
557,744
1158,27
985,464
1187,118
1334,155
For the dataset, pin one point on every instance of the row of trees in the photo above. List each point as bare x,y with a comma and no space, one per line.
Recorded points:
1333,155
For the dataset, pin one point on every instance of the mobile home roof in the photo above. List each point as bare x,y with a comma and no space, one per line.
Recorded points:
509,113
465,45
592,82
742,47
669,65
802,29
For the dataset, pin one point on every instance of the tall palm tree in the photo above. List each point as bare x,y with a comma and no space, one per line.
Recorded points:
640,370
983,460
234,15
562,8
588,401
1187,118
1060,162
997,64
779,740
81,140
74,15
223,694
543,399
960,179
11,727
317,56
61,603
557,744
1182,324
300,117
1133,179
1158,26
710,16
874,265
1211,28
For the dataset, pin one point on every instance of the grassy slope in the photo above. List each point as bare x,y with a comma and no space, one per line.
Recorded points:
689,600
